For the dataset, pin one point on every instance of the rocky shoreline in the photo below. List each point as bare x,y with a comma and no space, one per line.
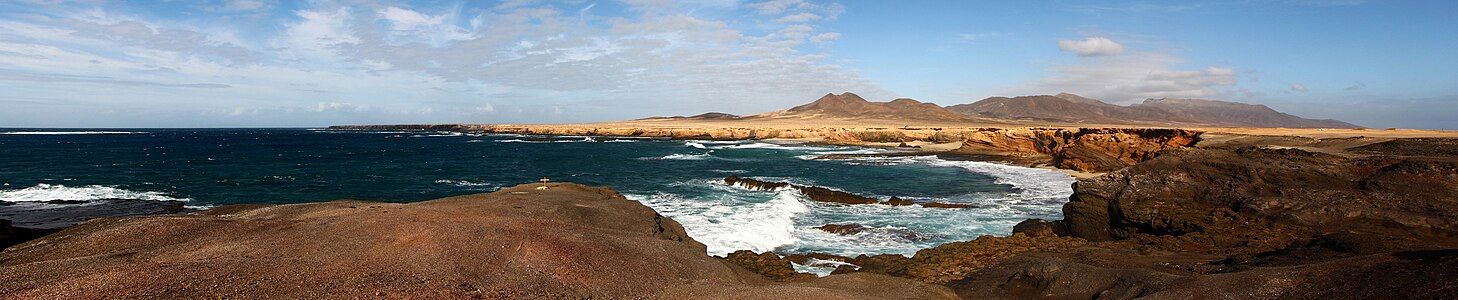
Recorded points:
1248,223
1078,149
1243,218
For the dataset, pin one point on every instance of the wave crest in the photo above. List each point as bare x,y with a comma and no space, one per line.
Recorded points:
47,192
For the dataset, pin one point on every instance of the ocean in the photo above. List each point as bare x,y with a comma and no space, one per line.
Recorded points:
680,179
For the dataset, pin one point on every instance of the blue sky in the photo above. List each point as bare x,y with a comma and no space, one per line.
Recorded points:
293,63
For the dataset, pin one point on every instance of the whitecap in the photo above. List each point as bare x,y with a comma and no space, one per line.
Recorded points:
464,183
47,192
682,156
695,145
735,222
66,132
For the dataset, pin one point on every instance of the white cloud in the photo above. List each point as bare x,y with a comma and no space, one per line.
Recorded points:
1129,78
772,7
825,38
390,64
1094,46
798,18
1298,87
337,107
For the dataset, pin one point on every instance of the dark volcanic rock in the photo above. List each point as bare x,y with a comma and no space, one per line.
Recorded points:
828,195
64,213
1254,200
1038,227
754,184
11,235
947,205
1412,147
813,192
842,229
895,201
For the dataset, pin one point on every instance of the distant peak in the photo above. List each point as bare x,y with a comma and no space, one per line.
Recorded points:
843,97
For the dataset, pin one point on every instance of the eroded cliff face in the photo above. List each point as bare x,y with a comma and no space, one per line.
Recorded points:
1080,149
1083,149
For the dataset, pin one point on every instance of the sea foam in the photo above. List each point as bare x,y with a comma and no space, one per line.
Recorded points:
66,132
47,192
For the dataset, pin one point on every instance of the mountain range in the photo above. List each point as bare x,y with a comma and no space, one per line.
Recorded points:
1063,108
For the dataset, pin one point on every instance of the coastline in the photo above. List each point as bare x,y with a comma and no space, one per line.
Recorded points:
1187,214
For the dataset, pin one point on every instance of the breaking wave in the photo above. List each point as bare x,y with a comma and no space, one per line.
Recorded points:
47,192
67,132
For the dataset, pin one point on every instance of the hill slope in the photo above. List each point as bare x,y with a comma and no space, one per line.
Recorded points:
1072,108
849,105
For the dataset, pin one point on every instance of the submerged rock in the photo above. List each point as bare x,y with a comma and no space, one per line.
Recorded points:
947,205
842,229
813,192
895,201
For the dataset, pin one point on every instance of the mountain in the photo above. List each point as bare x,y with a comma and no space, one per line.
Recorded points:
1071,108
703,116
1061,108
1234,113
849,105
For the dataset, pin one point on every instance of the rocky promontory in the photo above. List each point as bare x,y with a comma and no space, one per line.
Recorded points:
568,241
1244,223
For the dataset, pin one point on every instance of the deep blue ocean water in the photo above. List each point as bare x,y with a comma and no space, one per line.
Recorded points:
680,179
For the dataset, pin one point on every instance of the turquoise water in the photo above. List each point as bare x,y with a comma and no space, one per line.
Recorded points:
680,179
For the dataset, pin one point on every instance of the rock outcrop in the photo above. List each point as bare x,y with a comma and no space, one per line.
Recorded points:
570,241
813,192
1243,223
1254,200
1086,149
24,221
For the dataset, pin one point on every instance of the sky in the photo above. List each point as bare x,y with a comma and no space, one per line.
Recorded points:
267,63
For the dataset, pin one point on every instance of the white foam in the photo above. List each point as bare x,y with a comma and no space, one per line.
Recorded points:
732,223
819,267
621,141
695,145
66,132
775,146
470,184
682,156
1043,185
47,192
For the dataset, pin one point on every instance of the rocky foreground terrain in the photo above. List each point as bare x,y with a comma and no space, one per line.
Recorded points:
569,241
